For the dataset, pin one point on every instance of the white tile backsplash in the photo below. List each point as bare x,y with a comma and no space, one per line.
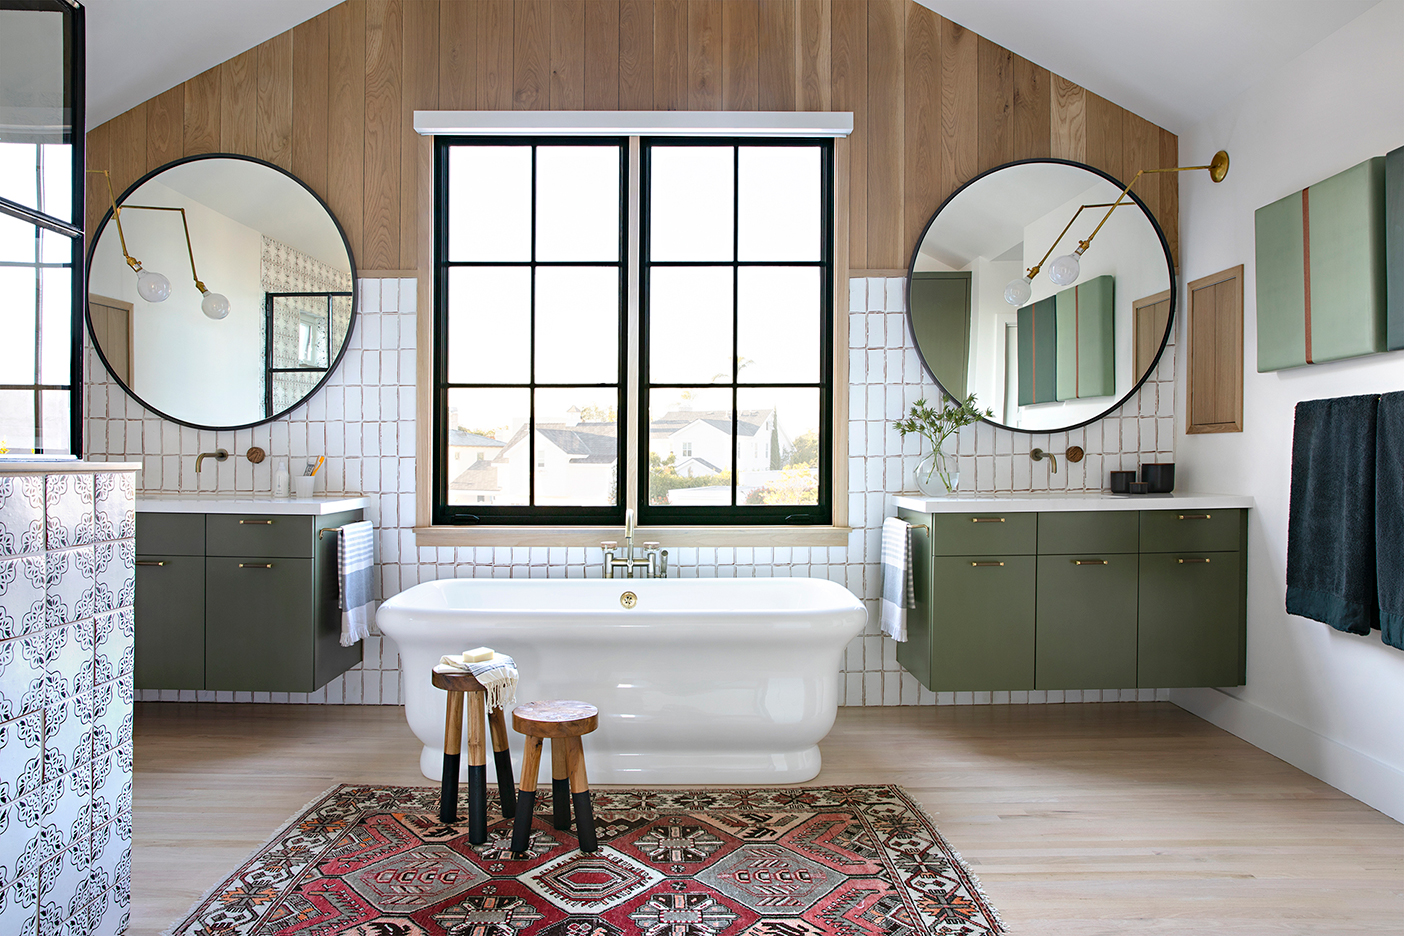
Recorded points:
363,419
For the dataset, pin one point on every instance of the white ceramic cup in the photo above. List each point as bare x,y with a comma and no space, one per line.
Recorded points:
303,485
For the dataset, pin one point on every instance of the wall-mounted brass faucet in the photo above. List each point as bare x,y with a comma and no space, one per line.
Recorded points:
1039,454
217,455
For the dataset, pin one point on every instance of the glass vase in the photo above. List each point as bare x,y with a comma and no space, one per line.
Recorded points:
934,476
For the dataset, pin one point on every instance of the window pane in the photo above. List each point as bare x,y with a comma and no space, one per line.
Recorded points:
689,322
57,424
689,447
19,180
779,203
16,239
57,300
17,325
778,312
488,456
55,248
690,198
17,422
489,195
577,324
577,203
577,447
489,325
778,446
57,176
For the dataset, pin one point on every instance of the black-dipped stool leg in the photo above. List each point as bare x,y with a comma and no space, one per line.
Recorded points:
506,789
477,770
560,783
580,794
453,742
526,798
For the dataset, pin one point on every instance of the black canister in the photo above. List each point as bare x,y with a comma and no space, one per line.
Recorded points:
1121,481
1160,476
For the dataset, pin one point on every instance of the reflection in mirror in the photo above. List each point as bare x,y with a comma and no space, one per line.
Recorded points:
232,228
1057,356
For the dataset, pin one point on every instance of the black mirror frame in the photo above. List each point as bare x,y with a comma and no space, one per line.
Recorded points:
350,325
1169,266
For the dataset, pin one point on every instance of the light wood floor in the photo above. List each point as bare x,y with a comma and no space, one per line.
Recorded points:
1080,820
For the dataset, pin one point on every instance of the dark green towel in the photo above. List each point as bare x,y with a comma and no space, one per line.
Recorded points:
1389,517
1331,527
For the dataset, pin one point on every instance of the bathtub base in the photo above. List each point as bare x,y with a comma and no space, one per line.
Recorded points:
674,768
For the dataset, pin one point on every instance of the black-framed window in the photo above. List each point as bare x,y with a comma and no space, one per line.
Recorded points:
736,364
302,332
530,330
41,234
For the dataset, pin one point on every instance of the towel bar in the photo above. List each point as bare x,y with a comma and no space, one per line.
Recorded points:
327,530
920,526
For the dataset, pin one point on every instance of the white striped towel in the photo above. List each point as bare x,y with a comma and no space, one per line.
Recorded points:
898,593
355,561
498,674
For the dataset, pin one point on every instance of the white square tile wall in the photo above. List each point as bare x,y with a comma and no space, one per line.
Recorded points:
364,421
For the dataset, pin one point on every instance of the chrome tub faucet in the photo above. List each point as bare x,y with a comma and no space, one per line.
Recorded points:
652,564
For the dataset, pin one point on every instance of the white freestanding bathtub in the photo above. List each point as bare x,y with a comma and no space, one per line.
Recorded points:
711,681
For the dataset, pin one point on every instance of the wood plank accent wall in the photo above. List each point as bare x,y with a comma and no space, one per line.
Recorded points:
934,104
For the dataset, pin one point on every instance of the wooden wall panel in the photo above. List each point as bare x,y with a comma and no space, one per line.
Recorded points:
567,84
776,55
602,55
238,104
165,140
99,153
886,229
202,116
380,242
932,103
921,75
457,37
309,94
995,105
636,55
275,101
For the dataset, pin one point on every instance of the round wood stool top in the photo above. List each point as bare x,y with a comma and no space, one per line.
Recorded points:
557,718
458,682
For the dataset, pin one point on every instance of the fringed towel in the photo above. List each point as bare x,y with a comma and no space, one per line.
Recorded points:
498,676
1331,518
1389,517
355,562
898,593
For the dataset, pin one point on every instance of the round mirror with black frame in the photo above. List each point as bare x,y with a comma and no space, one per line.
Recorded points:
1030,290
221,293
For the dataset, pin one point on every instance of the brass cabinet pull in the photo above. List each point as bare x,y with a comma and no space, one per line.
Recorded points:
986,519
1184,561
1194,516
1089,562
987,564
255,565
270,522
150,562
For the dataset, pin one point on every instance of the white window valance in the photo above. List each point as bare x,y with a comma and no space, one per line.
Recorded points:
635,123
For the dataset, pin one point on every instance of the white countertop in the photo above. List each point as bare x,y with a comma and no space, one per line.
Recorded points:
243,503
43,465
1079,500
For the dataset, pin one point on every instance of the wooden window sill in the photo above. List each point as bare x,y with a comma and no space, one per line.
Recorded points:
668,537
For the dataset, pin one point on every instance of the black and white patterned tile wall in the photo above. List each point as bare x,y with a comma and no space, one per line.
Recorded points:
67,571
363,419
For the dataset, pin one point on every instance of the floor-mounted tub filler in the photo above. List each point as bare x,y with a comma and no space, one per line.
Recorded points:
710,681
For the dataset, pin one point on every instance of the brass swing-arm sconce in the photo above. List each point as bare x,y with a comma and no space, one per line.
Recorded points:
1065,270
152,286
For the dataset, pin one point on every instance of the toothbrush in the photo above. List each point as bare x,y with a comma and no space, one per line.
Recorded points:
318,466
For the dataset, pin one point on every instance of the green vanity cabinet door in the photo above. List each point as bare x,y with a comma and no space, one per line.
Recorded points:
1087,339
1194,530
1088,531
1038,352
1086,620
170,621
1191,620
256,614
259,535
982,534
329,658
982,622
940,317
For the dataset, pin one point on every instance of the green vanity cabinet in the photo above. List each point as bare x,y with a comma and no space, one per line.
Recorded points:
255,610
1110,599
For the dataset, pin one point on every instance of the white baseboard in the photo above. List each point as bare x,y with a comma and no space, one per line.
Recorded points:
1373,782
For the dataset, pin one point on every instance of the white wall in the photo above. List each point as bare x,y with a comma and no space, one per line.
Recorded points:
1327,702
364,420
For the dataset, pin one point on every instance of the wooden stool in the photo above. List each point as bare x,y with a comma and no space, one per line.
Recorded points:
563,722
459,684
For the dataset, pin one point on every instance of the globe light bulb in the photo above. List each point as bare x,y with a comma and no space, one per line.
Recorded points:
1018,291
1064,270
214,305
153,287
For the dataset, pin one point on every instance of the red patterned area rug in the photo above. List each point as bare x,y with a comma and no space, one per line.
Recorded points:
768,861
